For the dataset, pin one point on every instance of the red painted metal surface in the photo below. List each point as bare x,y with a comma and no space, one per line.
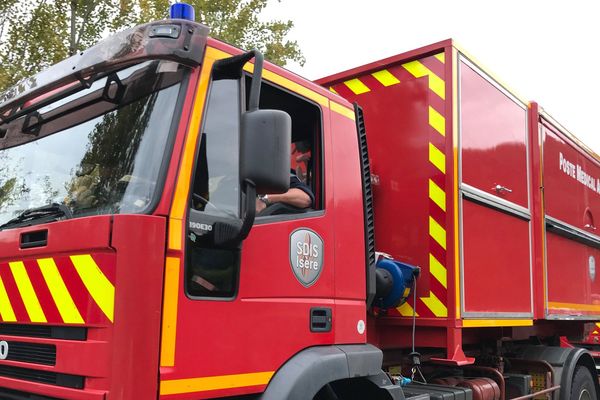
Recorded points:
537,214
496,277
169,185
139,242
131,263
567,198
270,313
493,139
572,198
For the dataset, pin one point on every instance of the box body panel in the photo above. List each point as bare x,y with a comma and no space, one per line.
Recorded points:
496,277
405,112
572,206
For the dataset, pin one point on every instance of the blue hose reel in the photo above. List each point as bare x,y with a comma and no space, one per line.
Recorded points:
394,281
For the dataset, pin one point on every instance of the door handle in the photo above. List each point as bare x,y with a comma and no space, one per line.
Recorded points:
501,189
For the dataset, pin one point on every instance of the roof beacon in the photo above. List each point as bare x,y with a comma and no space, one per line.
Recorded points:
182,11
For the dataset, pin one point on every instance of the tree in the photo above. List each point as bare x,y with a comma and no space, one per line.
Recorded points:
35,34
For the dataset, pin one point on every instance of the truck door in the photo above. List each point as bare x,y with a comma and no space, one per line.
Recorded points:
244,310
496,218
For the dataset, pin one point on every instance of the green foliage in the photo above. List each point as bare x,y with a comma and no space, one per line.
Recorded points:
35,34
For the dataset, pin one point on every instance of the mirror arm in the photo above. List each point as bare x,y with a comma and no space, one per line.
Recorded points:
228,233
253,101
250,212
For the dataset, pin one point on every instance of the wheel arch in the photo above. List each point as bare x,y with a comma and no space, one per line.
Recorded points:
302,376
564,362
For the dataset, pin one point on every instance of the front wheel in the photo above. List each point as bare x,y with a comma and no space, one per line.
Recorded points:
583,387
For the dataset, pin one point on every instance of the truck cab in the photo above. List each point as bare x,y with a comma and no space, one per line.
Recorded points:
131,262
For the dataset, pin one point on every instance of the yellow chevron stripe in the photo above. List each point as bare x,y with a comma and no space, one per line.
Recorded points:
357,86
437,158
437,121
6,310
437,232
30,300
385,77
62,298
418,70
437,195
332,90
191,385
169,322
441,57
435,305
406,310
437,270
99,287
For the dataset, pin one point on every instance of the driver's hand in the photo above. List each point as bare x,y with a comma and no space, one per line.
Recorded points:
260,205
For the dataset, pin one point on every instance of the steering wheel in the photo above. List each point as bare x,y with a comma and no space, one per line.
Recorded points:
281,208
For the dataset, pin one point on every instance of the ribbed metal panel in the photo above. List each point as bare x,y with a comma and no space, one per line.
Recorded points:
44,331
32,353
47,377
7,394
368,204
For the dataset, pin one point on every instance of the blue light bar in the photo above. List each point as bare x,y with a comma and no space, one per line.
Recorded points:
182,11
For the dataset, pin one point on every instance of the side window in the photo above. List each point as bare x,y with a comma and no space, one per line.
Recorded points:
211,271
305,166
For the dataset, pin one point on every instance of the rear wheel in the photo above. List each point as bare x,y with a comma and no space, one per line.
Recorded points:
583,387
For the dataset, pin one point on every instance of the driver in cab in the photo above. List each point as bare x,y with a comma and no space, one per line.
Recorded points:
299,196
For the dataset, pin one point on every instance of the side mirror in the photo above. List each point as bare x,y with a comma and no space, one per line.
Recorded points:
265,140
265,150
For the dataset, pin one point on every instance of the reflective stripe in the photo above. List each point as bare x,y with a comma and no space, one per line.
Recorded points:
385,77
478,323
437,195
406,310
418,70
169,322
64,303
435,305
340,109
30,300
6,310
437,270
437,232
437,158
192,385
441,57
99,287
437,121
357,86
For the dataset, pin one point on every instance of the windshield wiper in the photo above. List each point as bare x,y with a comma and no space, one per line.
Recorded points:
47,213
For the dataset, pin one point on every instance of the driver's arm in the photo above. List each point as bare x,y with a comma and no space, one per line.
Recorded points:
294,197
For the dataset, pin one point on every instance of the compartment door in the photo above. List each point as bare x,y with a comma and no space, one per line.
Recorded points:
495,212
572,207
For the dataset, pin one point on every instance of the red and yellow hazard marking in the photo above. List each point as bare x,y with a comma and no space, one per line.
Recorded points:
69,290
432,68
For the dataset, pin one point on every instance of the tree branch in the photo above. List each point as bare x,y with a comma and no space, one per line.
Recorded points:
84,21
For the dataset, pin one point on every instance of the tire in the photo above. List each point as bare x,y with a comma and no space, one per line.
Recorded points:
582,387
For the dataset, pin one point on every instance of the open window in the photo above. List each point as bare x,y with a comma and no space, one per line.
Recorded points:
306,146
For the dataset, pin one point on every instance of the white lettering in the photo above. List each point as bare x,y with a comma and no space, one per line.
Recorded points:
3,349
577,172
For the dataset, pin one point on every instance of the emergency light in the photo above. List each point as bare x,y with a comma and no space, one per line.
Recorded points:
182,11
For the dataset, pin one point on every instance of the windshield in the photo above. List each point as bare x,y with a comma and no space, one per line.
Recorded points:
98,151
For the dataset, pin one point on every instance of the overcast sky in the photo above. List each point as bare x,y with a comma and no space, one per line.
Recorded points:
543,50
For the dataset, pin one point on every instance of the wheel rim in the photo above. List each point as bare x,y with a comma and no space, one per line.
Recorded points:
585,395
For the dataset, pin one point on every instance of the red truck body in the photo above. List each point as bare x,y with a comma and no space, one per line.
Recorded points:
473,183
487,194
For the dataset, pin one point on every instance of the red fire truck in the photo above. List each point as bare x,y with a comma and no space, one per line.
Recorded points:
449,252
